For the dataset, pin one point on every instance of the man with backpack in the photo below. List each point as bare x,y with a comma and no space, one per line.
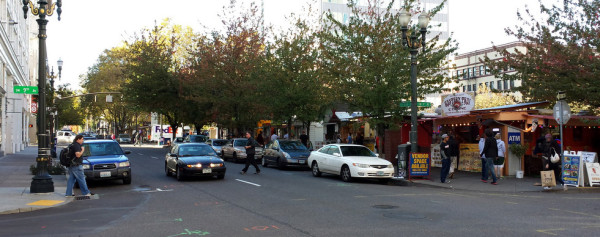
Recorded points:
75,154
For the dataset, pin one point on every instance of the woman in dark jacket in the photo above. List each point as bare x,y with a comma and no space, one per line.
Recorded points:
549,148
490,150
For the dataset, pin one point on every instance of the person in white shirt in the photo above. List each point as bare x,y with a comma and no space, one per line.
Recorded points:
274,137
484,176
499,163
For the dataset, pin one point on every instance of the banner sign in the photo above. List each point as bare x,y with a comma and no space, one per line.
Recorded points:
514,138
469,159
457,103
571,169
588,157
593,173
418,164
436,157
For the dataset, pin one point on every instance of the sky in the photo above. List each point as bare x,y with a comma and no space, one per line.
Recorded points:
87,28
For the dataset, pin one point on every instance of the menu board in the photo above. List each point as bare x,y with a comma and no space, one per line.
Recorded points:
469,159
593,173
571,170
436,157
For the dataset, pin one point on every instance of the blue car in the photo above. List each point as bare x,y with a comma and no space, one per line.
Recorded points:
284,153
105,160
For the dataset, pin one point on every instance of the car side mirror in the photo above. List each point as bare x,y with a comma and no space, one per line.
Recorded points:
173,155
337,154
127,152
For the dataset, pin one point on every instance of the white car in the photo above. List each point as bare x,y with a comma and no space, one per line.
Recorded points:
350,161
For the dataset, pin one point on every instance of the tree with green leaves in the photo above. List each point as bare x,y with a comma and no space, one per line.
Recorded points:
69,110
154,62
295,83
561,53
226,68
370,67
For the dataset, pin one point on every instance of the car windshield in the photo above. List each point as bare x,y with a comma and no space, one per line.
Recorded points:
179,139
240,142
356,151
196,151
219,142
102,149
196,138
292,145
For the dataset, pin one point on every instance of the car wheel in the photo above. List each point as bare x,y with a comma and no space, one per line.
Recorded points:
315,169
264,162
280,164
221,176
127,180
346,175
178,174
384,181
167,171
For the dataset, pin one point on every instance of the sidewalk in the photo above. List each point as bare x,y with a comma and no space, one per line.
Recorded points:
471,181
15,180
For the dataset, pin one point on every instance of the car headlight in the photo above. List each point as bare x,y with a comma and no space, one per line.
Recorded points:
86,167
213,165
124,164
360,165
390,166
287,155
196,166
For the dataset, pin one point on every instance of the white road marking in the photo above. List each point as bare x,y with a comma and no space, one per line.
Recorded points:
258,185
140,154
154,157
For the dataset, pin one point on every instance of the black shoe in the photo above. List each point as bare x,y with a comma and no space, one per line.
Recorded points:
257,172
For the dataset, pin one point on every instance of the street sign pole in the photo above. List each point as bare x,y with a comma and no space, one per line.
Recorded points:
562,142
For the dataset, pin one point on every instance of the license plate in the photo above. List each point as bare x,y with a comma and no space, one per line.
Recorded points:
104,174
207,171
380,173
301,161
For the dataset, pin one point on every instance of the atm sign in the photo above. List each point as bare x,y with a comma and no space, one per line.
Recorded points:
514,138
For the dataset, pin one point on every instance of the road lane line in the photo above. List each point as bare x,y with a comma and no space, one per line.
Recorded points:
154,157
258,185
140,154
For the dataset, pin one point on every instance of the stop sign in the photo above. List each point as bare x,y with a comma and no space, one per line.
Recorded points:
561,107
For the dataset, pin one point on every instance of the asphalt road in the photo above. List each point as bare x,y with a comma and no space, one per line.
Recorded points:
293,203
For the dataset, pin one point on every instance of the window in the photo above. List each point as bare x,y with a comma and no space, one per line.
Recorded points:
487,70
469,87
491,85
481,70
506,85
499,83
464,71
486,85
512,83
475,87
464,88
476,71
470,73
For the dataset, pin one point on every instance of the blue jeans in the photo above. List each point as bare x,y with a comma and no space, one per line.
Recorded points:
76,173
484,175
489,164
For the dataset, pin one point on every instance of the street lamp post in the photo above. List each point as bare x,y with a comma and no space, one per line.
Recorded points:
60,64
42,181
52,116
413,43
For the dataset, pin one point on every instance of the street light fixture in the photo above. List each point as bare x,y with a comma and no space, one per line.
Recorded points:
42,181
413,43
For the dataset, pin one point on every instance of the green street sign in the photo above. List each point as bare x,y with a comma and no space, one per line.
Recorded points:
419,104
25,90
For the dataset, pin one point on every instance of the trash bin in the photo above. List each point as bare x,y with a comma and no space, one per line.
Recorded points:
403,152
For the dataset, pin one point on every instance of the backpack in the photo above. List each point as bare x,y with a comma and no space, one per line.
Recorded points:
65,158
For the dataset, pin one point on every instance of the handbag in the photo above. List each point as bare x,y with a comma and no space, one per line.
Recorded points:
555,158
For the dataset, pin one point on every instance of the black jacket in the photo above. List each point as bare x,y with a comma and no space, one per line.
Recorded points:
490,149
453,147
252,143
445,150
75,147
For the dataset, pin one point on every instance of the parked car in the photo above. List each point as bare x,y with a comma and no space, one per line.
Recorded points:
350,161
88,136
216,144
64,137
195,138
124,138
285,153
234,150
105,160
194,159
177,140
